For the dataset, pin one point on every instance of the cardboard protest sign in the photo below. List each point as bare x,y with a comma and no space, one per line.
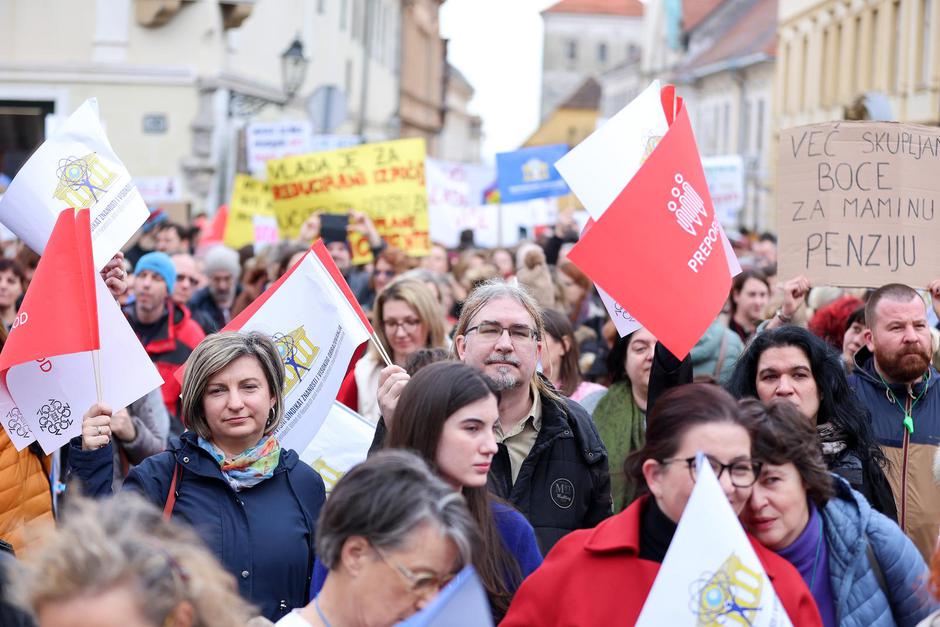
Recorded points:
658,249
530,173
856,203
250,198
342,441
711,574
75,168
384,180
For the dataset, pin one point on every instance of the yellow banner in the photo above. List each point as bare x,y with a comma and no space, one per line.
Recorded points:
250,197
385,181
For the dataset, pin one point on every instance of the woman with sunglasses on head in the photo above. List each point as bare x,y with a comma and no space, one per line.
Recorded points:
447,413
407,316
858,564
602,576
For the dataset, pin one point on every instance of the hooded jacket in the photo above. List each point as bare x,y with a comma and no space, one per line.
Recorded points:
263,535
910,455
170,348
851,526
25,493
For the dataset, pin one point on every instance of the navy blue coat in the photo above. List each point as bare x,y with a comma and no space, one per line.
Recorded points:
263,535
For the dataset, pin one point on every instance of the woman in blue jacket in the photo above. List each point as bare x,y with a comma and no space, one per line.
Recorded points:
858,564
253,503
446,414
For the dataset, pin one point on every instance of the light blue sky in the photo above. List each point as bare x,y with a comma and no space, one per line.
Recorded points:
497,45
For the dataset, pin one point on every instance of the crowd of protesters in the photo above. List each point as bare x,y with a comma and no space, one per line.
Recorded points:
515,431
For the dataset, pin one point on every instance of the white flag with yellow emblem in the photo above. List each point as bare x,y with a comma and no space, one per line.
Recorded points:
711,575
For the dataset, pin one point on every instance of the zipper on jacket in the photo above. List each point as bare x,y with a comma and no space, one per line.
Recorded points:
905,447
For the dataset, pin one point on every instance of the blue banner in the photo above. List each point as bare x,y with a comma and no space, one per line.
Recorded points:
530,173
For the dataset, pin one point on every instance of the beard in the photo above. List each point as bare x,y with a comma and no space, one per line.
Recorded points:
505,377
905,366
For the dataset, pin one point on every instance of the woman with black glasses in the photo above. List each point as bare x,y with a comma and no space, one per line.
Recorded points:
602,576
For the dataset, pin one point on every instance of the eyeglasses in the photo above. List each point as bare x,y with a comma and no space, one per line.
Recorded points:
743,473
421,584
408,325
491,332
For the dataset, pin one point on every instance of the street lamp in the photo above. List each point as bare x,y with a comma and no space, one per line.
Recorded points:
293,67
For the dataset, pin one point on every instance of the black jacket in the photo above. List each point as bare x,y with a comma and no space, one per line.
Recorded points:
204,310
564,483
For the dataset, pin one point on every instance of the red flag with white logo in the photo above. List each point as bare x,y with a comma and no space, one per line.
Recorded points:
657,250
59,314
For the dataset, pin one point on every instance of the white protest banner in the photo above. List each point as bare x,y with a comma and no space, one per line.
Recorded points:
316,325
711,574
127,374
625,323
323,143
275,140
159,189
342,441
725,177
856,203
455,202
76,167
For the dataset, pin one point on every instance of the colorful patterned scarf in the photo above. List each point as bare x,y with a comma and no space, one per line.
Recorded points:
250,467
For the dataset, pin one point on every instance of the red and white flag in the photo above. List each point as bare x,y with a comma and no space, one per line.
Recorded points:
659,250
314,320
46,364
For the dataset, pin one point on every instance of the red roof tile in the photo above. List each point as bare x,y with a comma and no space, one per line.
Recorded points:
630,8
695,12
754,33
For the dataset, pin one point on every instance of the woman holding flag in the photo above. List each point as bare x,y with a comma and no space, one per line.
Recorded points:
253,503
858,564
602,576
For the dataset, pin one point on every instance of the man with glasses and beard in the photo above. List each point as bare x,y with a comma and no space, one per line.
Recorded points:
893,378
551,464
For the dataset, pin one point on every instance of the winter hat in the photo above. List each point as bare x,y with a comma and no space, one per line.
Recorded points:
221,258
534,275
161,264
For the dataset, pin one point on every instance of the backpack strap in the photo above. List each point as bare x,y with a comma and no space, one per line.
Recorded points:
173,492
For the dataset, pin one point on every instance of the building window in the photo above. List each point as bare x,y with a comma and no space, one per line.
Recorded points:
759,139
746,129
348,78
357,21
926,15
859,68
726,135
896,46
342,14
571,50
602,52
321,6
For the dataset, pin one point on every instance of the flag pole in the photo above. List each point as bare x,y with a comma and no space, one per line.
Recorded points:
381,349
96,366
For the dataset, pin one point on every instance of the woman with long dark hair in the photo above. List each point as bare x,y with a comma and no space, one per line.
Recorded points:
791,363
446,414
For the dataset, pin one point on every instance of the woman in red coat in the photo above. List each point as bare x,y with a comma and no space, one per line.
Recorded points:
602,576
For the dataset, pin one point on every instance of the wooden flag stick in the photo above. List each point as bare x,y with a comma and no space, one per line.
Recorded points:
380,348
96,365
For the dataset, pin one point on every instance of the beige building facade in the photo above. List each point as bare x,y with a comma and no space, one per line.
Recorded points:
177,81
423,72
834,52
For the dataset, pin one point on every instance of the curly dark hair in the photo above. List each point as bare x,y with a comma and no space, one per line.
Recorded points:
837,403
